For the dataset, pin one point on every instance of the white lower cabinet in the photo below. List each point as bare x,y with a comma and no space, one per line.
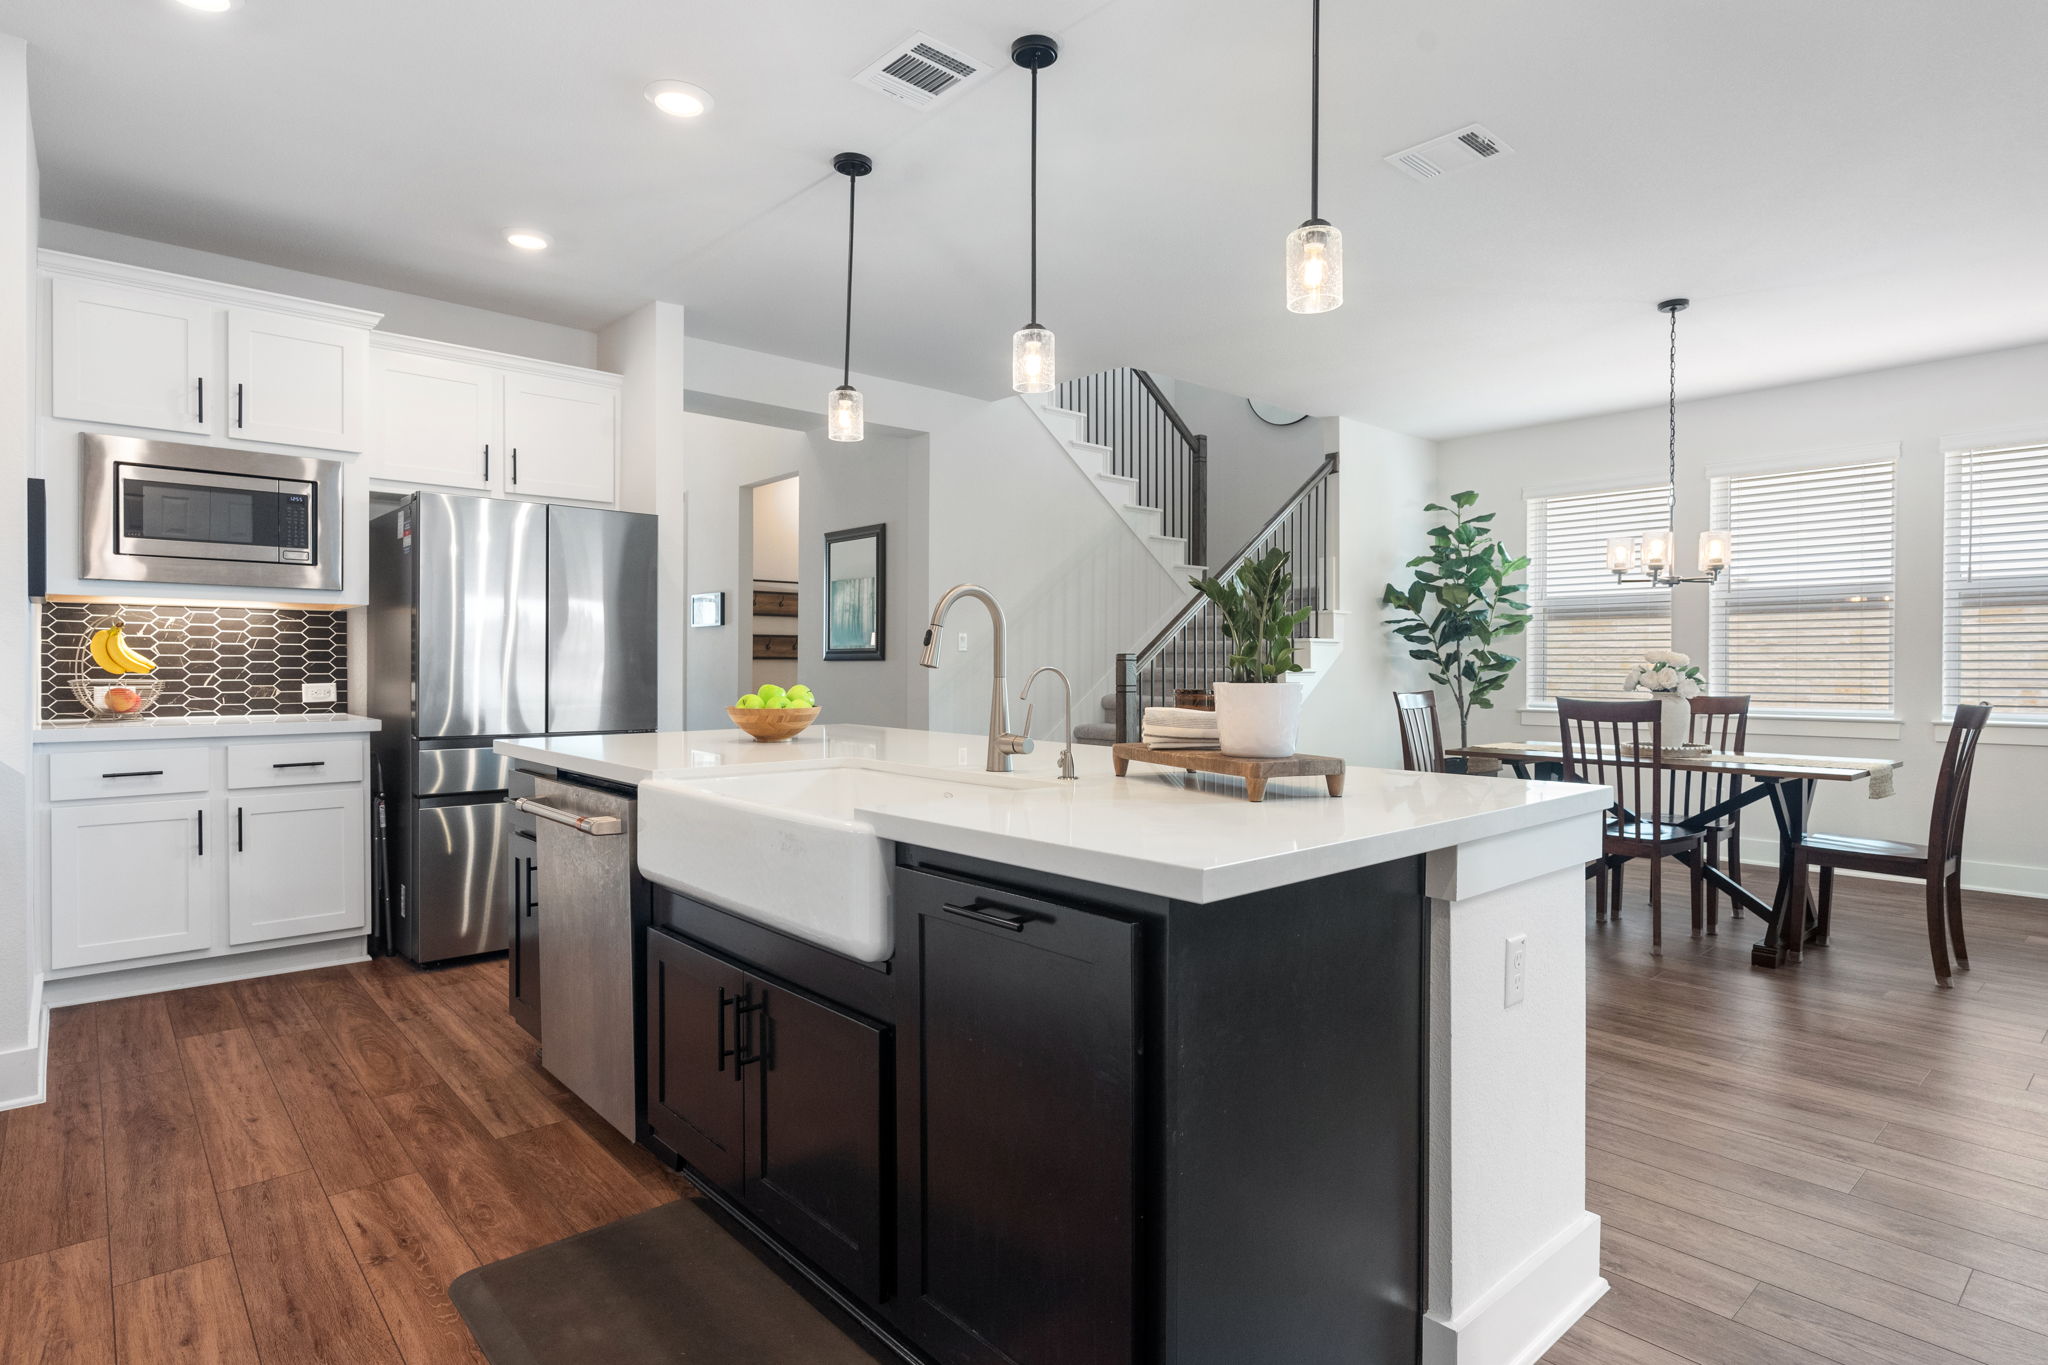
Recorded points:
296,864
133,879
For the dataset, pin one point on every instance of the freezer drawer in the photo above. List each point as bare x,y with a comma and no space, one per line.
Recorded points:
460,900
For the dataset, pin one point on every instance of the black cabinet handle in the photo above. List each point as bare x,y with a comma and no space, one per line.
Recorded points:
532,901
303,763
515,464
238,829
202,400
724,1051
742,1058
238,405
487,461
202,832
139,772
981,914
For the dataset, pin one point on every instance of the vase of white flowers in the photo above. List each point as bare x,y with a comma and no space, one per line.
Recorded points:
1674,681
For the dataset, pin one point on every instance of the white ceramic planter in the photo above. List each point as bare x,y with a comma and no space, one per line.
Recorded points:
1258,720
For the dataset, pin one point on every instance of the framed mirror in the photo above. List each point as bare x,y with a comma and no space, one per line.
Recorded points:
856,589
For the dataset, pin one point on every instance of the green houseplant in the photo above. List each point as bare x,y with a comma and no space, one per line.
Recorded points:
1258,712
1460,605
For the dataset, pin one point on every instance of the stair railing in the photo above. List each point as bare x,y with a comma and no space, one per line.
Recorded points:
1148,442
1191,652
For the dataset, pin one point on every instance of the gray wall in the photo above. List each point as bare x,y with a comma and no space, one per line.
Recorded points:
1253,465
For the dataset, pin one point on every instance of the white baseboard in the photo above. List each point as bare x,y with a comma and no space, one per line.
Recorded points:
2008,879
202,971
21,1069
1520,1318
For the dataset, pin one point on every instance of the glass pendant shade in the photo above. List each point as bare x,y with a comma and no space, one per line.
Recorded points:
1715,551
1031,360
843,414
1315,268
1657,550
1621,554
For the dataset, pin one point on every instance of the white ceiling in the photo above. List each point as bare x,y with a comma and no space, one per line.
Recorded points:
1838,184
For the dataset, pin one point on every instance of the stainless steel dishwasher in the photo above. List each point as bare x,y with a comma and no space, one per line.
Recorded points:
585,871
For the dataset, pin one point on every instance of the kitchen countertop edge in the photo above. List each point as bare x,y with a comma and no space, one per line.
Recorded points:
148,729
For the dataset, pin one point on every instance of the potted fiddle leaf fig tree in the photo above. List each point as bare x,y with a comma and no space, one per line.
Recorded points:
1258,712
1460,605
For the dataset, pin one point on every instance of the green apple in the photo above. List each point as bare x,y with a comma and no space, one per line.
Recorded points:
776,703
750,702
769,691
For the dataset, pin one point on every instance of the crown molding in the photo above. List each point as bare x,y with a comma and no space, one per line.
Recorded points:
231,295
499,360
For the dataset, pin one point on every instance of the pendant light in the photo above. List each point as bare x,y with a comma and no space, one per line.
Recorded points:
1655,553
843,408
1315,250
1031,359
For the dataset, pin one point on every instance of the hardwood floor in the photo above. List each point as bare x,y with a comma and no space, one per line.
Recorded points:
1835,1162
291,1171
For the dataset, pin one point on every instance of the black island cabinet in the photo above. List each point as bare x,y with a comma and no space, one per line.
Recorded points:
1069,1124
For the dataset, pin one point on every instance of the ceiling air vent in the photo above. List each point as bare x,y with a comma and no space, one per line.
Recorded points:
1440,156
921,71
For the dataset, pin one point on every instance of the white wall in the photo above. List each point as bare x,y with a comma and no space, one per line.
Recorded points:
20,1004
1012,512
1253,465
775,531
1383,479
405,314
1999,395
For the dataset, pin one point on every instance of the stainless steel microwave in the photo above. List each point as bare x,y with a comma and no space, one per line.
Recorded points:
161,512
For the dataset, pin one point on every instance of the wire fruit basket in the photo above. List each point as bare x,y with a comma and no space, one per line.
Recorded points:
110,694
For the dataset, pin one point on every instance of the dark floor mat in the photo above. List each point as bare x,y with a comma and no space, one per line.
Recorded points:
675,1284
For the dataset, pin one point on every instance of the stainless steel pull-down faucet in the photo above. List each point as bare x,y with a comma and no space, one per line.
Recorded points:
1001,743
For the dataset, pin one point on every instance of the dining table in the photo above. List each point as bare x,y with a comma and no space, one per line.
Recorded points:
1787,781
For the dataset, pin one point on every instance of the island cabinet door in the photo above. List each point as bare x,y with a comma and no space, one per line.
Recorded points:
1019,1105
815,1132
695,1099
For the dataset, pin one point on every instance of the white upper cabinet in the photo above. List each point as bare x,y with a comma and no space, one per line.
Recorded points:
561,438
434,421
133,357
296,381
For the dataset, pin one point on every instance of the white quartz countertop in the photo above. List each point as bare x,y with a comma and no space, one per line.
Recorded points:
152,728
1189,836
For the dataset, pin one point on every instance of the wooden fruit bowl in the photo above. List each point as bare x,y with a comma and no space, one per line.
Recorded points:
772,726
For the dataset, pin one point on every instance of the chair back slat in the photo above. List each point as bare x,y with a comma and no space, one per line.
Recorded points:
1422,739
1722,724
1616,744
1952,783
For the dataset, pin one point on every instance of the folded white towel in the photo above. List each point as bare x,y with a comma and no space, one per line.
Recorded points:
1180,717
1180,731
1169,742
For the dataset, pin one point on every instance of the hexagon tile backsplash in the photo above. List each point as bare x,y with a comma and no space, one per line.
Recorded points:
212,660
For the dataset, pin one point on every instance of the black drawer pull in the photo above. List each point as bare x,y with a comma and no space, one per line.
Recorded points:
981,914
303,763
142,772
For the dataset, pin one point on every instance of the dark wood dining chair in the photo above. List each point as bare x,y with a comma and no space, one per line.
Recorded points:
1422,739
1938,863
1722,724
1619,744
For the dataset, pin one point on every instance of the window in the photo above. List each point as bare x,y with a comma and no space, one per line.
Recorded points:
1586,629
1995,617
1802,620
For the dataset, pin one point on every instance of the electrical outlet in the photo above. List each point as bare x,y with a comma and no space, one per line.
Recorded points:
1517,967
963,642
317,692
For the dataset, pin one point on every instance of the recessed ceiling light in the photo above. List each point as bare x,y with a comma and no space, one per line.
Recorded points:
210,6
528,241
680,98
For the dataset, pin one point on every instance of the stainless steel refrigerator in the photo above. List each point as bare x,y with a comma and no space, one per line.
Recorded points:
490,617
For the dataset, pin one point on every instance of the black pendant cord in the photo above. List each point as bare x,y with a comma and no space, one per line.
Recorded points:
1671,417
1315,111
846,352
1034,197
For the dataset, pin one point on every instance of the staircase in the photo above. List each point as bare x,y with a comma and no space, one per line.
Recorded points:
1123,434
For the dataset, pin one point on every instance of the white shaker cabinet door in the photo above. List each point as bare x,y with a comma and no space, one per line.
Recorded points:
561,438
297,864
295,381
132,357
434,422
132,879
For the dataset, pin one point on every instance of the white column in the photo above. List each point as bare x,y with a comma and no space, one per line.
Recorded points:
1514,1254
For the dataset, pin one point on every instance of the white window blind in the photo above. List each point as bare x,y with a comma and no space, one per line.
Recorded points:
1802,618
1995,618
1585,630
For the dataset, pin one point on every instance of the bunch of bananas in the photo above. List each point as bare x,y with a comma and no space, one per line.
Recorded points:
112,653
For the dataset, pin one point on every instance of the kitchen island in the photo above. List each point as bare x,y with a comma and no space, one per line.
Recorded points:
1124,1069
